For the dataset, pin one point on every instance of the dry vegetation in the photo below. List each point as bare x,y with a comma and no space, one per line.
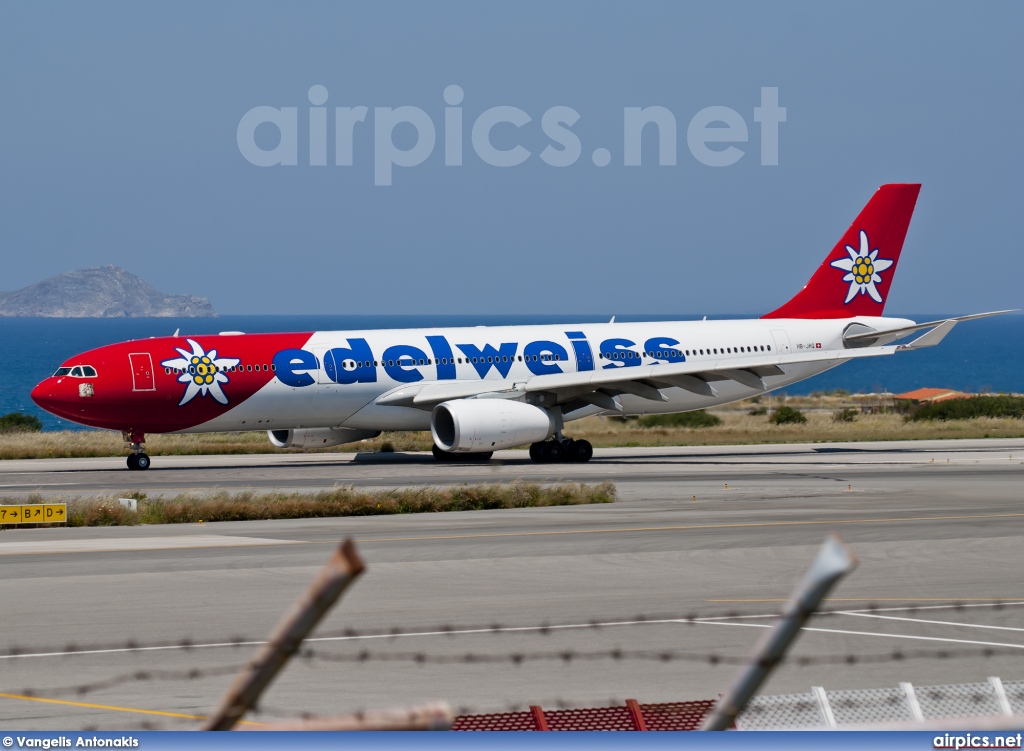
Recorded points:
190,508
738,427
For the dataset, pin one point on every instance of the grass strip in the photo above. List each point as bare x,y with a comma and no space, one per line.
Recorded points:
344,501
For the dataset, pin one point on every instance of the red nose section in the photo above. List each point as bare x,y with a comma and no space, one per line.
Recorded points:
43,396
59,396
163,385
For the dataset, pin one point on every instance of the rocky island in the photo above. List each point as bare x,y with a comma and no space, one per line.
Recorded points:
104,292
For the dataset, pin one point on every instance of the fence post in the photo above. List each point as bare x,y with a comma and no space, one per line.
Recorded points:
635,714
912,702
834,561
824,706
1000,691
340,571
540,722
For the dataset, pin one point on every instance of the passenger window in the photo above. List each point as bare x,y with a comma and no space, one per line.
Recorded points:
769,348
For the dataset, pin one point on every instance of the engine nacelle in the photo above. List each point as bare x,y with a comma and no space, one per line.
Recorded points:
316,438
466,425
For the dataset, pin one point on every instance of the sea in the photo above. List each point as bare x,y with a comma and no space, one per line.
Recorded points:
977,356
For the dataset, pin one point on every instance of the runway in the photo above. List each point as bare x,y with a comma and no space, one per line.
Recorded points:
936,526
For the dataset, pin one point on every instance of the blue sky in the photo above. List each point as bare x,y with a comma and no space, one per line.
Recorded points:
119,145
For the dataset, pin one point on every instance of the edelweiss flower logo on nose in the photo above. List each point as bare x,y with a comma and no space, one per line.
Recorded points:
862,269
202,371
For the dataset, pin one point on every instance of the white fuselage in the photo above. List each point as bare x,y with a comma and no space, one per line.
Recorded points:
344,373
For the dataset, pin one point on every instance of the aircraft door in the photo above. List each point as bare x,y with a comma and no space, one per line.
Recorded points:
327,367
782,345
142,371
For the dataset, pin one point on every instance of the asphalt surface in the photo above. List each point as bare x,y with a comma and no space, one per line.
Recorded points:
936,526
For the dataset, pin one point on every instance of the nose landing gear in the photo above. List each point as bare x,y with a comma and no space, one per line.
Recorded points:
565,450
138,459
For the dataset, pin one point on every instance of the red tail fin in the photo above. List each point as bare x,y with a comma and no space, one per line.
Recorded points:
854,279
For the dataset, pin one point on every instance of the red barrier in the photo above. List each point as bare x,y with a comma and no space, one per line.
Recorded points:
682,715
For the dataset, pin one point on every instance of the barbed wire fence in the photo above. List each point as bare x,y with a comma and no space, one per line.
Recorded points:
291,641
547,629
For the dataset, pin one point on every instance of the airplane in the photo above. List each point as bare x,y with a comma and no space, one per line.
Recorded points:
482,389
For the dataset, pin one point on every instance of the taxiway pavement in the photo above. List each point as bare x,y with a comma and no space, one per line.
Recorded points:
937,527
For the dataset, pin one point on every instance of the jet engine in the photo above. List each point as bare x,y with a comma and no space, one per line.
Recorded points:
315,438
477,425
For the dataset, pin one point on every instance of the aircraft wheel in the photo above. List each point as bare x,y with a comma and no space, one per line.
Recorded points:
580,451
553,452
441,455
133,461
537,451
142,461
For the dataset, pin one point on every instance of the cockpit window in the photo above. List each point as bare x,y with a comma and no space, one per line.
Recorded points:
77,371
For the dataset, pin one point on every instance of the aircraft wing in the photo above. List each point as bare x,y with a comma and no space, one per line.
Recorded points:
598,386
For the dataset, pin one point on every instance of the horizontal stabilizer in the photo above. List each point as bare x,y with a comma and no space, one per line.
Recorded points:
890,335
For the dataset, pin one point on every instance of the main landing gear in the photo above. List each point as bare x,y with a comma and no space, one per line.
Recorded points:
565,450
138,459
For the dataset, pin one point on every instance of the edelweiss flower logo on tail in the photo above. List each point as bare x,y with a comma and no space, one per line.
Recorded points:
862,267
202,371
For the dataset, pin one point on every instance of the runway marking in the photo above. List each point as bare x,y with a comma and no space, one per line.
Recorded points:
683,527
455,632
937,623
117,545
871,633
95,545
113,708
1002,600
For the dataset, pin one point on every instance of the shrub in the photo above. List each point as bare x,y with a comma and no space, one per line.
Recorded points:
758,412
978,406
696,419
786,415
19,422
844,415
344,501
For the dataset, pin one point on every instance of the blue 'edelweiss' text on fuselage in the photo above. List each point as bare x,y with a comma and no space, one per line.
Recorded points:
356,363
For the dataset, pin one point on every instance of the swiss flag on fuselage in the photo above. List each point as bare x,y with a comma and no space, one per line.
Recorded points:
854,279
